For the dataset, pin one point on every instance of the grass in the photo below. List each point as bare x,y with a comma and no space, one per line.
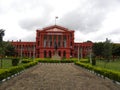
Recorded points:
113,65
6,63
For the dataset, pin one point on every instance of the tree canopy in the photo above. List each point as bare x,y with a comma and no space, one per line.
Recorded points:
7,49
106,49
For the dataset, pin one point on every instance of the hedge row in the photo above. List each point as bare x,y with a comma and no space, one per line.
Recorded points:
114,75
26,61
84,60
4,73
55,61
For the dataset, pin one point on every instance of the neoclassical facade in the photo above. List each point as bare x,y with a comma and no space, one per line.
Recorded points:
48,40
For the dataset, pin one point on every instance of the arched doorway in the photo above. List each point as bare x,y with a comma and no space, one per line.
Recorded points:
64,54
59,53
50,55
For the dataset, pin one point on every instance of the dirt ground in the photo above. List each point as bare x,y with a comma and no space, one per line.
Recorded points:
58,77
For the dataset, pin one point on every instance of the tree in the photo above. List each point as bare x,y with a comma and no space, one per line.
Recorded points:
9,49
1,44
2,49
98,49
1,34
107,53
116,50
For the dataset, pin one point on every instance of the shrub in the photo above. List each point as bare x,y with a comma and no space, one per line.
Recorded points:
15,61
93,62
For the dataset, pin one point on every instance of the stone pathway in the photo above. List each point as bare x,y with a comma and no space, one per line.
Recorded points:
58,77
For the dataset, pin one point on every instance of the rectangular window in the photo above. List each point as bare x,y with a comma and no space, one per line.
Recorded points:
44,43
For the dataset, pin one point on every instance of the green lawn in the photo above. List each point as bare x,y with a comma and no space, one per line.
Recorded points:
6,63
110,65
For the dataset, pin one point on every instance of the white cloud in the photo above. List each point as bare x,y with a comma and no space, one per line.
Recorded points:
92,20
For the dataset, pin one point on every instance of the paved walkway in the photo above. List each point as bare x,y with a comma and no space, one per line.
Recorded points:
58,77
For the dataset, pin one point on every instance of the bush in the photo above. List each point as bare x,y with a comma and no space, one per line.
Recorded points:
93,62
15,61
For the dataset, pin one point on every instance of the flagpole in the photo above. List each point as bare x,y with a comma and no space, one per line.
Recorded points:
56,19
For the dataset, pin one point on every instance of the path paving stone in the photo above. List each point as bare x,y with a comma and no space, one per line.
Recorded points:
58,76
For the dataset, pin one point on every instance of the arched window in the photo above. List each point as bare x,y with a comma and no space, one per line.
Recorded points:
64,54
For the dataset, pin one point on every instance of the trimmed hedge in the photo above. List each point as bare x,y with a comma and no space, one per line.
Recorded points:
114,75
4,73
55,61
26,61
84,60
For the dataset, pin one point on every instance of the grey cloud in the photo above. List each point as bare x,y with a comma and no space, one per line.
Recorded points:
83,22
32,23
23,6
37,22
89,18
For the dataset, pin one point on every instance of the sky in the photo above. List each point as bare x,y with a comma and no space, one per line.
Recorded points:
93,20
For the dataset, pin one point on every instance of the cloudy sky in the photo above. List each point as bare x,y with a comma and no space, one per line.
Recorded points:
93,20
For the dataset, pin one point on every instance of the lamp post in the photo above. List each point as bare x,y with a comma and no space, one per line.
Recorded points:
34,52
81,52
21,48
78,53
29,52
90,55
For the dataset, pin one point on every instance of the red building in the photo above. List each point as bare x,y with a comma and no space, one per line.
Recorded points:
50,38
24,49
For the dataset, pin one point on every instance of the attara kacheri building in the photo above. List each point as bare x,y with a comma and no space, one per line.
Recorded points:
47,39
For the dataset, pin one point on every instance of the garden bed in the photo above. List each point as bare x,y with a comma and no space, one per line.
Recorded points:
111,74
5,73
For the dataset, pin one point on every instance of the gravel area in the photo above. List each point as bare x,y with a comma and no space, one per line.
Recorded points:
58,76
